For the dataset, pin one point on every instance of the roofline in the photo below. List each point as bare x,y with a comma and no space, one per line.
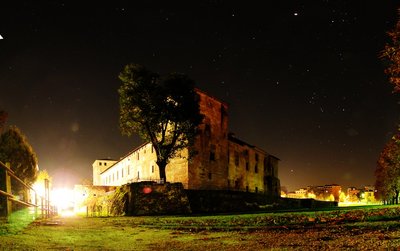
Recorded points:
126,155
211,96
232,138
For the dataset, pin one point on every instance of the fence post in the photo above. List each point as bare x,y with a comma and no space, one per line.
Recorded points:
47,197
41,207
37,205
5,185
8,189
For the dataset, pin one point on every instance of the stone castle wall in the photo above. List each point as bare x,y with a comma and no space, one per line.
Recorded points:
208,169
222,162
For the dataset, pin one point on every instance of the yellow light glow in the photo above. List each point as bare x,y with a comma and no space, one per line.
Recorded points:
63,199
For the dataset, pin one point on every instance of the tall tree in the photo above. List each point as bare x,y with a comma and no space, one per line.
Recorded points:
391,54
387,172
15,149
164,112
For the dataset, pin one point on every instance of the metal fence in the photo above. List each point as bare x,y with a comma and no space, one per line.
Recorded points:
7,198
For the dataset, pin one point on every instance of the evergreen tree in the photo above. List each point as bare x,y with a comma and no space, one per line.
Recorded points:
15,149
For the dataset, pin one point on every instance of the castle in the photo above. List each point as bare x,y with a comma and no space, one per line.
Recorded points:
222,162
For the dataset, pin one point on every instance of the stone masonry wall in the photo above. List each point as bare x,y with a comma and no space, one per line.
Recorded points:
149,198
209,168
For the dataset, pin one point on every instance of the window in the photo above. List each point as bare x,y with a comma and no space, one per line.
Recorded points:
256,157
105,163
212,156
152,168
213,149
247,188
122,173
138,156
247,166
236,158
100,163
256,189
209,176
129,167
207,130
256,168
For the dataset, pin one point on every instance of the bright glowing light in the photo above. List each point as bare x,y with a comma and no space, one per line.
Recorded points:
39,188
63,199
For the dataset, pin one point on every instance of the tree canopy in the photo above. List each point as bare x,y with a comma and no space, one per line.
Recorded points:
15,149
387,172
391,55
163,111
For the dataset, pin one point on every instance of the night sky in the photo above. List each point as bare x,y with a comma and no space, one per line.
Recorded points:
302,78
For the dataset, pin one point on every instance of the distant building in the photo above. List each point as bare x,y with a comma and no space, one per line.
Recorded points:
368,194
222,162
326,192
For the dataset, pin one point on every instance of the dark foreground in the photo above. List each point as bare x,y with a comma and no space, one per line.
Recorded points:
357,229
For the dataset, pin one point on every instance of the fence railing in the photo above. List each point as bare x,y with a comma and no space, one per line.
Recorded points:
7,198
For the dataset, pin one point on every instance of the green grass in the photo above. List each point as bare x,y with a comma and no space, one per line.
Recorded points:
334,229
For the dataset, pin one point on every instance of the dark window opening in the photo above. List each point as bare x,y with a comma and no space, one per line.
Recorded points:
209,176
247,166
236,158
212,156
256,168
207,130
247,188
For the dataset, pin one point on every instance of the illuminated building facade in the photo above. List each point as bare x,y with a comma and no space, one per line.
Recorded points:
222,162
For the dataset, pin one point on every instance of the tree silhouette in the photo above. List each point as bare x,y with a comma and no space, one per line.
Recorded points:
391,55
164,112
15,149
387,172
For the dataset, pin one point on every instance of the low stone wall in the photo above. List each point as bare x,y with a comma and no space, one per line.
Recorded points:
222,201
290,203
149,198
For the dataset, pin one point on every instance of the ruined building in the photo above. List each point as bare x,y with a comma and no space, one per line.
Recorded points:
222,162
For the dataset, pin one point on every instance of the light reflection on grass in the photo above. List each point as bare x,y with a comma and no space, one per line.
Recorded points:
17,221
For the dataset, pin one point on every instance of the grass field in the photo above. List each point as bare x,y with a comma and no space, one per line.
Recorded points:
366,228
